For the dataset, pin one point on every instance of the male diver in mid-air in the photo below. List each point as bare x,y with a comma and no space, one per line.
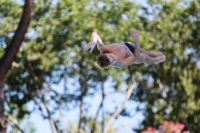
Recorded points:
123,54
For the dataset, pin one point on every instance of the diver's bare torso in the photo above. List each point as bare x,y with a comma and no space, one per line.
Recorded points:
120,50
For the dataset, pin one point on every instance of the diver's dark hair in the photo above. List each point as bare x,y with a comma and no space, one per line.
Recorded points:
103,61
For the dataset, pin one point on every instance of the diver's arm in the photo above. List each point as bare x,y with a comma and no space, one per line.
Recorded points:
129,61
95,39
136,37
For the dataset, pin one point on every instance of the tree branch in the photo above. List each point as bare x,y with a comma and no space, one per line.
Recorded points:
100,106
15,122
13,48
10,54
119,110
81,112
53,127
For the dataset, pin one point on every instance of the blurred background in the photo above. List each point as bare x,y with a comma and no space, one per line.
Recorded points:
55,86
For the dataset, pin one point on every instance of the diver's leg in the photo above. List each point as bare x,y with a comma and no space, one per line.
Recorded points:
152,54
151,60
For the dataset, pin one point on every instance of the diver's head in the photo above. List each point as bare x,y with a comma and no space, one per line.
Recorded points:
104,60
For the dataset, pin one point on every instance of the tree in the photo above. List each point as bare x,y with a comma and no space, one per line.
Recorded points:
10,54
170,89
53,53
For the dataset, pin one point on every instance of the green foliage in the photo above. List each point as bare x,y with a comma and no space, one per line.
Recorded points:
9,19
173,92
53,54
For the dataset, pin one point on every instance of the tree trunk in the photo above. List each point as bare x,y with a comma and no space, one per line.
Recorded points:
3,121
120,109
81,115
53,127
10,54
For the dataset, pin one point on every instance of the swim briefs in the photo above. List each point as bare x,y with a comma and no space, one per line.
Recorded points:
132,49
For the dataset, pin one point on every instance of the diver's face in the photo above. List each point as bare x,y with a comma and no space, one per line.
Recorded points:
110,57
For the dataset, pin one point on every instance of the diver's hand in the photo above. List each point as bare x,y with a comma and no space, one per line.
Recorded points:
90,45
135,35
